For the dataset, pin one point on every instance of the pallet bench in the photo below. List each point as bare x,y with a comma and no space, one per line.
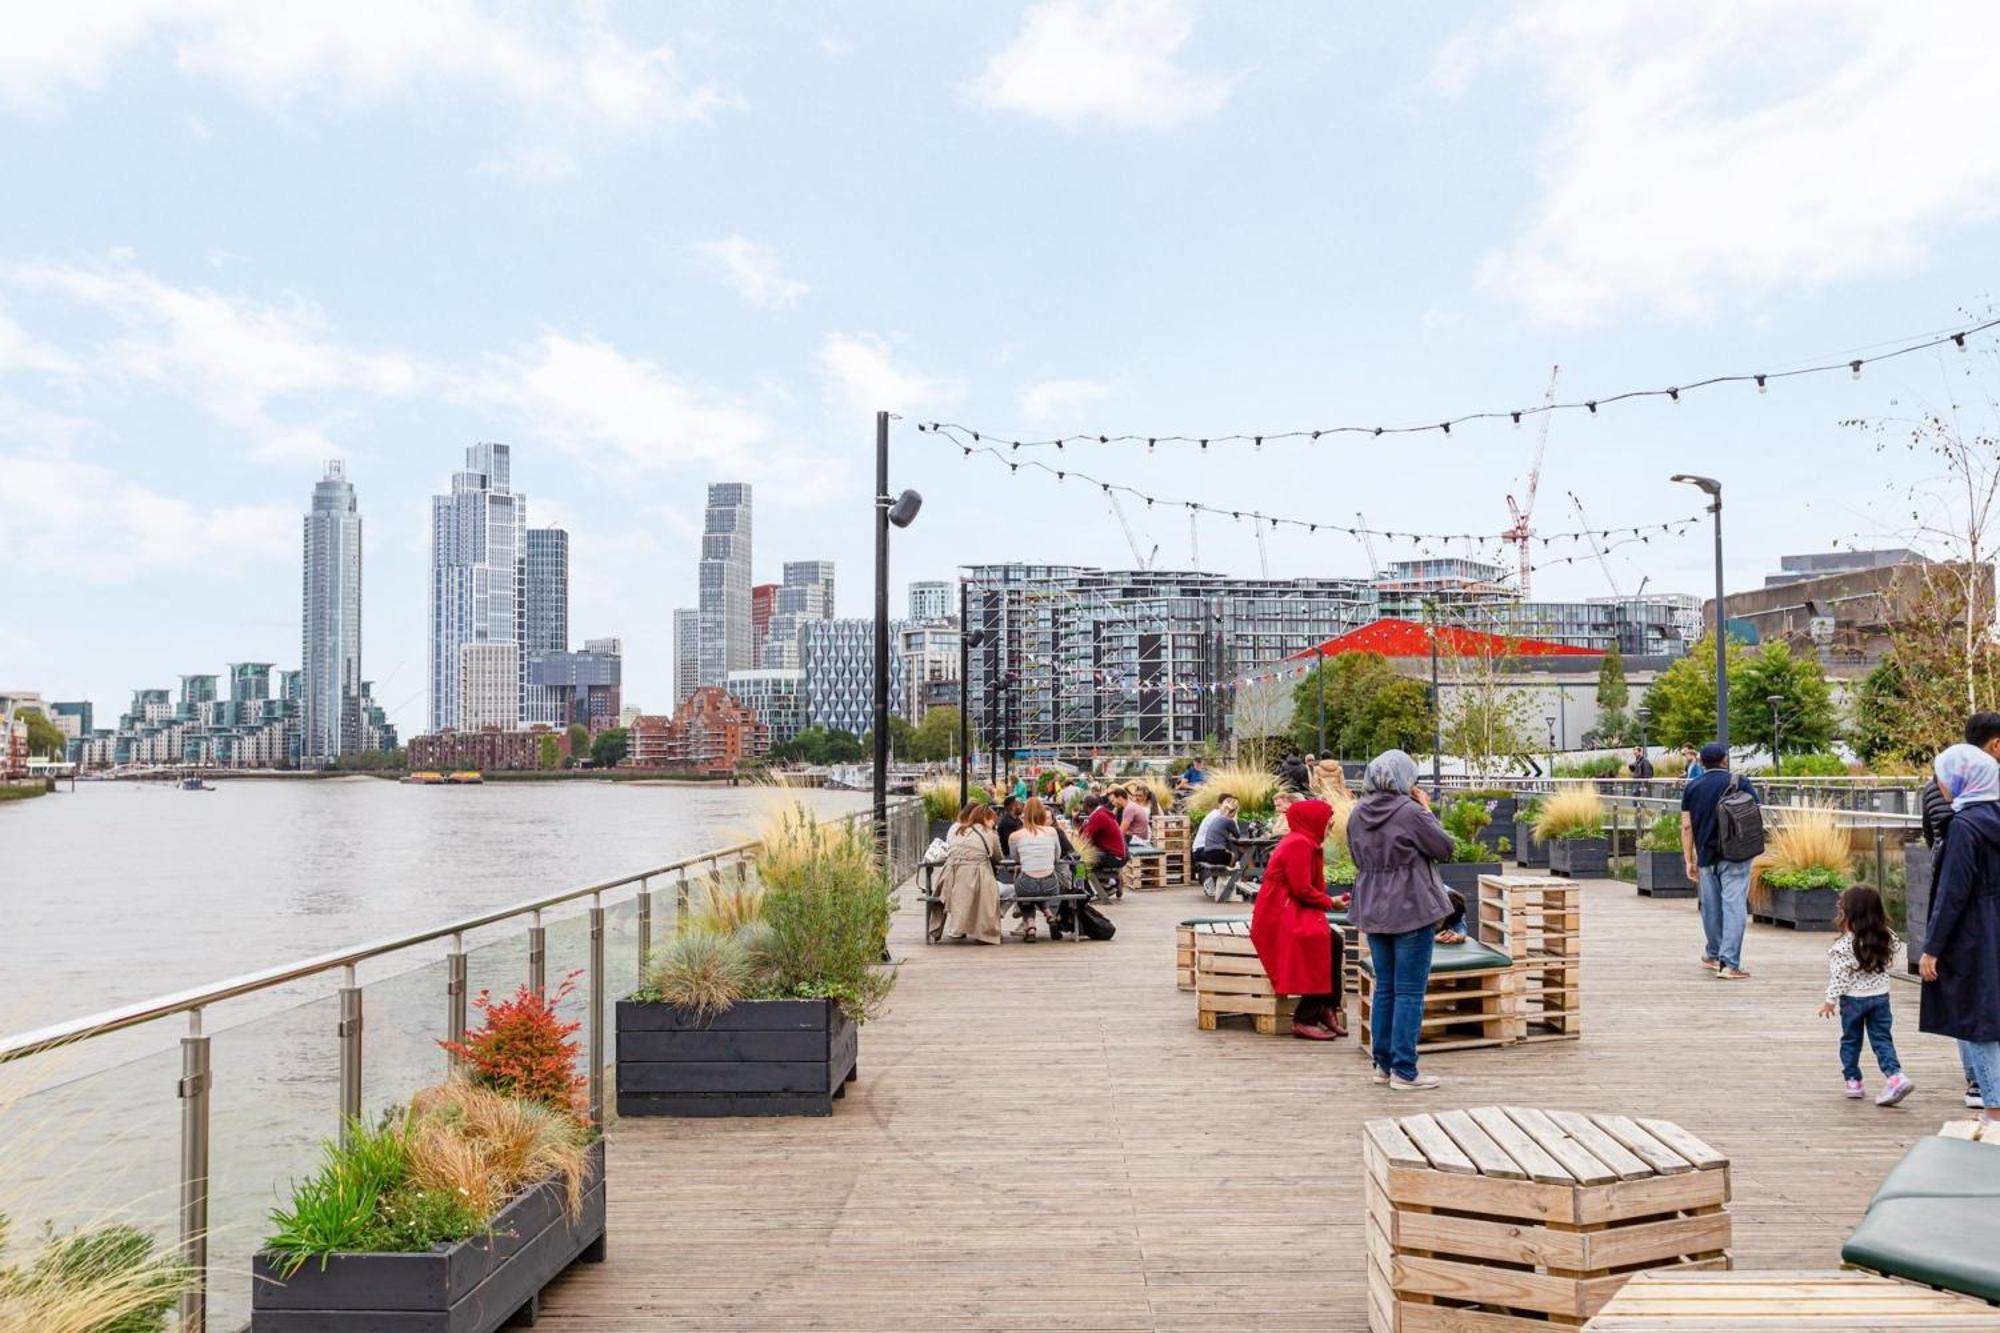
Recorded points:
1785,1302
1184,947
1229,979
1175,840
1513,1220
1472,999
1537,920
934,904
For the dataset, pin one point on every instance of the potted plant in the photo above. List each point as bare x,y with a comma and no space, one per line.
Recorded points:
1662,865
1502,807
1572,824
1530,852
1807,861
1465,819
753,1006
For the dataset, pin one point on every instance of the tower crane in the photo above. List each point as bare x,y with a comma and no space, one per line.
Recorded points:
1523,511
1263,556
1368,545
1143,561
1603,562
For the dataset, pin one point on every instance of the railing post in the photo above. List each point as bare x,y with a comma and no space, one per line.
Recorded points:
350,1053
193,1092
596,1010
538,954
742,874
1881,870
454,999
1617,861
681,898
645,924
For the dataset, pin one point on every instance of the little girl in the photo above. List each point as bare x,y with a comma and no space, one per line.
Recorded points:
1858,986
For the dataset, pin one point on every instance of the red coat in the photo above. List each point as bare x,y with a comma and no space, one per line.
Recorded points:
1288,925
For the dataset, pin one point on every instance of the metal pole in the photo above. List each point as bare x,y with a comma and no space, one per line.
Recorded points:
964,700
1617,861
538,954
193,1093
350,1053
1319,688
1437,724
880,808
681,898
1721,643
645,924
1881,871
454,999
596,1010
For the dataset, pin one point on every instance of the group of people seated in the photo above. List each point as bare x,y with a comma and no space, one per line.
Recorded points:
1024,833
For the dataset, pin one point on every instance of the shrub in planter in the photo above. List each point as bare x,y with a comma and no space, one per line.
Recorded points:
1662,868
1340,875
1571,822
1529,850
1465,819
103,1279
1807,861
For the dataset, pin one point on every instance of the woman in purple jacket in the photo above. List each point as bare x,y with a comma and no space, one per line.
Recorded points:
1396,842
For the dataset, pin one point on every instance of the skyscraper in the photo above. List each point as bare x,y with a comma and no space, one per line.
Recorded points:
932,601
477,555
330,622
806,595
687,654
544,618
725,583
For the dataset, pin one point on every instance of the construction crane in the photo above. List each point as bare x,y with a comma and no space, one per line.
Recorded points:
1144,562
1523,511
1368,545
1194,542
1263,556
1603,562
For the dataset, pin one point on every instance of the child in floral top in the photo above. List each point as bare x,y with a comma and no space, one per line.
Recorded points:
1857,987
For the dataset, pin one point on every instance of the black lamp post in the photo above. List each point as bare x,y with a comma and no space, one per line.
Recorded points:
901,511
1712,488
968,639
1319,684
1550,718
1775,700
1645,715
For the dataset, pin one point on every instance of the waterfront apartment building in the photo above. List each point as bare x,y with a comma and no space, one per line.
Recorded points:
478,550
776,698
249,729
687,653
838,664
933,601
723,585
489,685
544,617
330,620
487,750
805,596
710,732
928,654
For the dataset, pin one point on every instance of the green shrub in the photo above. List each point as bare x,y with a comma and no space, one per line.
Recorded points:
1486,794
1813,877
1604,766
827,907
704,971
1340,873
1465,817
1663,834
1817,765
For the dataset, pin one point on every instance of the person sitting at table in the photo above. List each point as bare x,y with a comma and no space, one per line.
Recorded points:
1218,829
1293,775
965,881
1135,821
1038,848
1299,948
1101,834
1195,774
1009,825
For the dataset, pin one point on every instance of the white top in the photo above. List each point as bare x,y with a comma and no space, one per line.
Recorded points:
1844,974
1036,852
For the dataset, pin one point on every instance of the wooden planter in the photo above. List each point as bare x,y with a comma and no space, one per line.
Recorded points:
475,1286
1529,850
1580,858
1917,862
1461,875
1664,875
1502,826
757,1058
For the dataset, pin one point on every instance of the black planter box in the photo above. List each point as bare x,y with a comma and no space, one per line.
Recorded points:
475,1286
939,827
1464,876
1502,810
1528,849
1664,875
1917,862
758,1057
1580,858
1803,909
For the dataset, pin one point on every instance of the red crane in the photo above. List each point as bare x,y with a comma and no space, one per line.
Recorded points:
1523,511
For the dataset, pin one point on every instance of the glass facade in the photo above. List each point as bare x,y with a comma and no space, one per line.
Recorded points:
724,644
330,623
932,601
839,667
478,550
544,617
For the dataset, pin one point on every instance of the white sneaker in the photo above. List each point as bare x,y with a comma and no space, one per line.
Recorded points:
1421,1083
1972,1097
1378,1076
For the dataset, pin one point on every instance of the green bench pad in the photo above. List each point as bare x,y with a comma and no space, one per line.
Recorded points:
1941,1242
1942,1168
1470,956
1337,917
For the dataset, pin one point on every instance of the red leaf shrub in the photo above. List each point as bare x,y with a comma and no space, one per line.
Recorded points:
524,1049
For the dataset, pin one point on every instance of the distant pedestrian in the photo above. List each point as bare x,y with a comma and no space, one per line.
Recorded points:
1691,762
1718,853
1960,965
1294,775
1642,767
1857,988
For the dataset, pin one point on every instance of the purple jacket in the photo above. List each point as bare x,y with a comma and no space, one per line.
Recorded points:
1395,843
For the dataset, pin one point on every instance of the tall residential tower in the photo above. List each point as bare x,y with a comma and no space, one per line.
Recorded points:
330,623
725,583
544,620
478,549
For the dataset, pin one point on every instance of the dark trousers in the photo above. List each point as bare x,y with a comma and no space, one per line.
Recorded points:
1312,1008
1213,856
1870,1014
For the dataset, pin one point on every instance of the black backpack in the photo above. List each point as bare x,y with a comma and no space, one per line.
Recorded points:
1093,924
1739,824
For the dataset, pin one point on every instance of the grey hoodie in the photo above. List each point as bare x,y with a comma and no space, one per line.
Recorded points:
1394,842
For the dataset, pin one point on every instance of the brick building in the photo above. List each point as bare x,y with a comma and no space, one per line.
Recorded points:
712,733
490,749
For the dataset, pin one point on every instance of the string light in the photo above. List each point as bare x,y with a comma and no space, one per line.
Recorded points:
1957,338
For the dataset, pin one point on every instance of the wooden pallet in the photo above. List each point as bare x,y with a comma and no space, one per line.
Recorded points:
1229,980
1461,1010
1144,873
1511,1220
1670,1302
1970,1129
1176,840
1537,920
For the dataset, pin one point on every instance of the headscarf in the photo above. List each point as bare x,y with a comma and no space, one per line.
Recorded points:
1967,774
1391,770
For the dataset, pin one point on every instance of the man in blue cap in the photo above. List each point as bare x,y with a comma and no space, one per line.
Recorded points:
1725,883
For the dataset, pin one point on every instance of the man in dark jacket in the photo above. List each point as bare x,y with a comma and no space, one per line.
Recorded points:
1293,774
1960,965
1724,886
1642,767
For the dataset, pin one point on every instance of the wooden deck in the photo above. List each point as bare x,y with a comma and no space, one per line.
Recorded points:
1042,1139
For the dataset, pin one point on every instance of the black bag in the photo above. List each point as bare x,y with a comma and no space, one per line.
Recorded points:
1739,824
1093,924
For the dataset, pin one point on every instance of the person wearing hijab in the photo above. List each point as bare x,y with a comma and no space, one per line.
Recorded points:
1960,965
1300,951
1396,843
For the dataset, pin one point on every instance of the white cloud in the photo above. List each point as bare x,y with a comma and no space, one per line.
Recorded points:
358,50
756,272
1111,60
861,377
540,165
47,501
18,351
1050,400
1717,147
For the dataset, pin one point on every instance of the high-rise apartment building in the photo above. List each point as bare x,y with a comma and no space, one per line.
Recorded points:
805,596
838,659
489,685
776,698
724,584
928,655
330,622
478,553
544,618
581,686
687,653
932,601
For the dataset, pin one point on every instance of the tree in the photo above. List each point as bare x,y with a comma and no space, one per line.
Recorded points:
1806,716
1369,708
579,742
1260,715
1682,697
817,745
1613,728
607,748
1486,716
44,739
931,741
371,761
549,753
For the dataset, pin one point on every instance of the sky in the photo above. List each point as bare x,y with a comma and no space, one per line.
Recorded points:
656,245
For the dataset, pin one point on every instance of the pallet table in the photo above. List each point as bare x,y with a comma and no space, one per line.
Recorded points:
1512,1220
1537,920
1801,1302
1229,979
1470,1000
1175,841
1146,872
1970,1129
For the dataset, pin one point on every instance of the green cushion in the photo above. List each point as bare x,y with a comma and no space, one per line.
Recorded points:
1213,920
1949,1243
1940,1168
1470,956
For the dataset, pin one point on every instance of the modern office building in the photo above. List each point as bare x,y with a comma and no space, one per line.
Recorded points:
838,662
544,617
928,655
775,698
933,601
763,601
580,686
330,621
724,584
489,685
805,596
478,553
74,718
687,653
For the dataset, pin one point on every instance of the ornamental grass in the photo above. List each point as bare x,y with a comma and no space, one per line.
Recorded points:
1806,848
1571,812
1253,789
109,1278
1161,788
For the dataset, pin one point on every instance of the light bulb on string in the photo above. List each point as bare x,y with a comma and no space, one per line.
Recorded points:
1761,386
1855,366
1959,339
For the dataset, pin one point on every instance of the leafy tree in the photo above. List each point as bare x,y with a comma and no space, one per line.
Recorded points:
933,739
1398,716
607,747
817,745
1486,714
550,754
371,761
1369,708
1880,729
1806,716
1683,696
1613,727
579,742
43,737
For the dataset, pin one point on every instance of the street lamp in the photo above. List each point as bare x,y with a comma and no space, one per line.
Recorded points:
900,511
968,639
1319,688
1645,715
1550,718
1775,700
1712,488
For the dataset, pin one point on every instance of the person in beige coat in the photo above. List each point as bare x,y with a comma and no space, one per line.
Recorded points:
965,882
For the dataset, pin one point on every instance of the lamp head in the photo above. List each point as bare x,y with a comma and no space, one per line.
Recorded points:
903,511
1709,485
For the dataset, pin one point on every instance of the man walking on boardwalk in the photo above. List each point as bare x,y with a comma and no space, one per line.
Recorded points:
1722,831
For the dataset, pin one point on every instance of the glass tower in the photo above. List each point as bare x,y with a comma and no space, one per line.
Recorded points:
330,622
478,554
545,618
725,583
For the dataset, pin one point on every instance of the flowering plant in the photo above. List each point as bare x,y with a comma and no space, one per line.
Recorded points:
524,1049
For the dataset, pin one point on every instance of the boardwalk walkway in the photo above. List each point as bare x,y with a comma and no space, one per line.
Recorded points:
1041,1139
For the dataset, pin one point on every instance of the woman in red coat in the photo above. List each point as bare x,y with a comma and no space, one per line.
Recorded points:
1299,949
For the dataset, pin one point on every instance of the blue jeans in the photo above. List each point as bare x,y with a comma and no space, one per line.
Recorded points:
1870,1013
1982,1063
1725,908
1402,966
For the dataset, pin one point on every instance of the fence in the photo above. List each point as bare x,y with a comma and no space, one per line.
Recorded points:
279,1097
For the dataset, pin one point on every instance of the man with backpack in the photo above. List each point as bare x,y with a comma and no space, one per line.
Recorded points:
1722,832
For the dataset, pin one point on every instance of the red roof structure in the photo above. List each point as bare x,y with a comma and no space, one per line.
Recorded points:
1406,638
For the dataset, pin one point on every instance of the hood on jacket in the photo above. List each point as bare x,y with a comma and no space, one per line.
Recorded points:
1309,818
1379,808
1981,818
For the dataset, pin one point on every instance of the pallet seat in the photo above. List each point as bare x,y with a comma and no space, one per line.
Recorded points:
1470,1001
1804,1302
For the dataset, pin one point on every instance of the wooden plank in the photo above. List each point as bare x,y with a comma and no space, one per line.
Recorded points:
1489,1157
1538,1164
1600,1145
1687,1145
1960,1129
1643,1145
1436,1145
1394,1144
1575,1158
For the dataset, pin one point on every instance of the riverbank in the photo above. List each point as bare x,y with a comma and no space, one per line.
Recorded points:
22,791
